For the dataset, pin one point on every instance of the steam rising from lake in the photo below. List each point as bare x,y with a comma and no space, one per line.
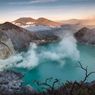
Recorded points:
67,48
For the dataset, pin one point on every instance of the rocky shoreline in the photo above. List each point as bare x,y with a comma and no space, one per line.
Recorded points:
86,36
11,84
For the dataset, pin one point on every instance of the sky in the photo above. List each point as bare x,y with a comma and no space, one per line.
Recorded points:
51,9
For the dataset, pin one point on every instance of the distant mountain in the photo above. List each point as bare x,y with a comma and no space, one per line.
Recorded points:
44,21
71,27
24,21
86,35
72,21
40,21
86,22
21,37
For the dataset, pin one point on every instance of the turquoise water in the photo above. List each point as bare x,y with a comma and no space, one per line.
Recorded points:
68,71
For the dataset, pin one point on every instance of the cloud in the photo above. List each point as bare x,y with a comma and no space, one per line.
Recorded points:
31,2
43,1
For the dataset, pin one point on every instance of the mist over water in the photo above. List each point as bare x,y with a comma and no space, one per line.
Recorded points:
30,58
27,59
66,48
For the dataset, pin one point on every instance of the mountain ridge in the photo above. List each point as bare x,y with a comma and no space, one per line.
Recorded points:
86,21
21,38
86,35
39,21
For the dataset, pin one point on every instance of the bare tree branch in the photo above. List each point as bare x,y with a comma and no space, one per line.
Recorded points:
87,74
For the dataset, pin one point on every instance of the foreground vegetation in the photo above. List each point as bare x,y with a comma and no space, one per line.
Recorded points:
68,88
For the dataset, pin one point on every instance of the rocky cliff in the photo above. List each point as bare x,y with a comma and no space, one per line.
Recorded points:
6,46
86,35
21,37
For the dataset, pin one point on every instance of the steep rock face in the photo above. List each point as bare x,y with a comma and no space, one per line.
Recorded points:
4,51
19,36
86,35
6,46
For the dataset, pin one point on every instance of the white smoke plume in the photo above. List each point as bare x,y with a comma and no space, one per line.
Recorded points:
23,60
67,48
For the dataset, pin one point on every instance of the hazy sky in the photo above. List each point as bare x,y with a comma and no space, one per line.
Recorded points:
52,9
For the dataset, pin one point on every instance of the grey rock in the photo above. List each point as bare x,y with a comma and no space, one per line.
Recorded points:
21,37
11,83
6,46
86,35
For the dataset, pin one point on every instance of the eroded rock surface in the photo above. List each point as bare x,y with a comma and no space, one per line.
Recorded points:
86,35
21,37
6,46
11,84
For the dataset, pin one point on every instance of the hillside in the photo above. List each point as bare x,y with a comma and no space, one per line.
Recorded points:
21,37
86,35
40,21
